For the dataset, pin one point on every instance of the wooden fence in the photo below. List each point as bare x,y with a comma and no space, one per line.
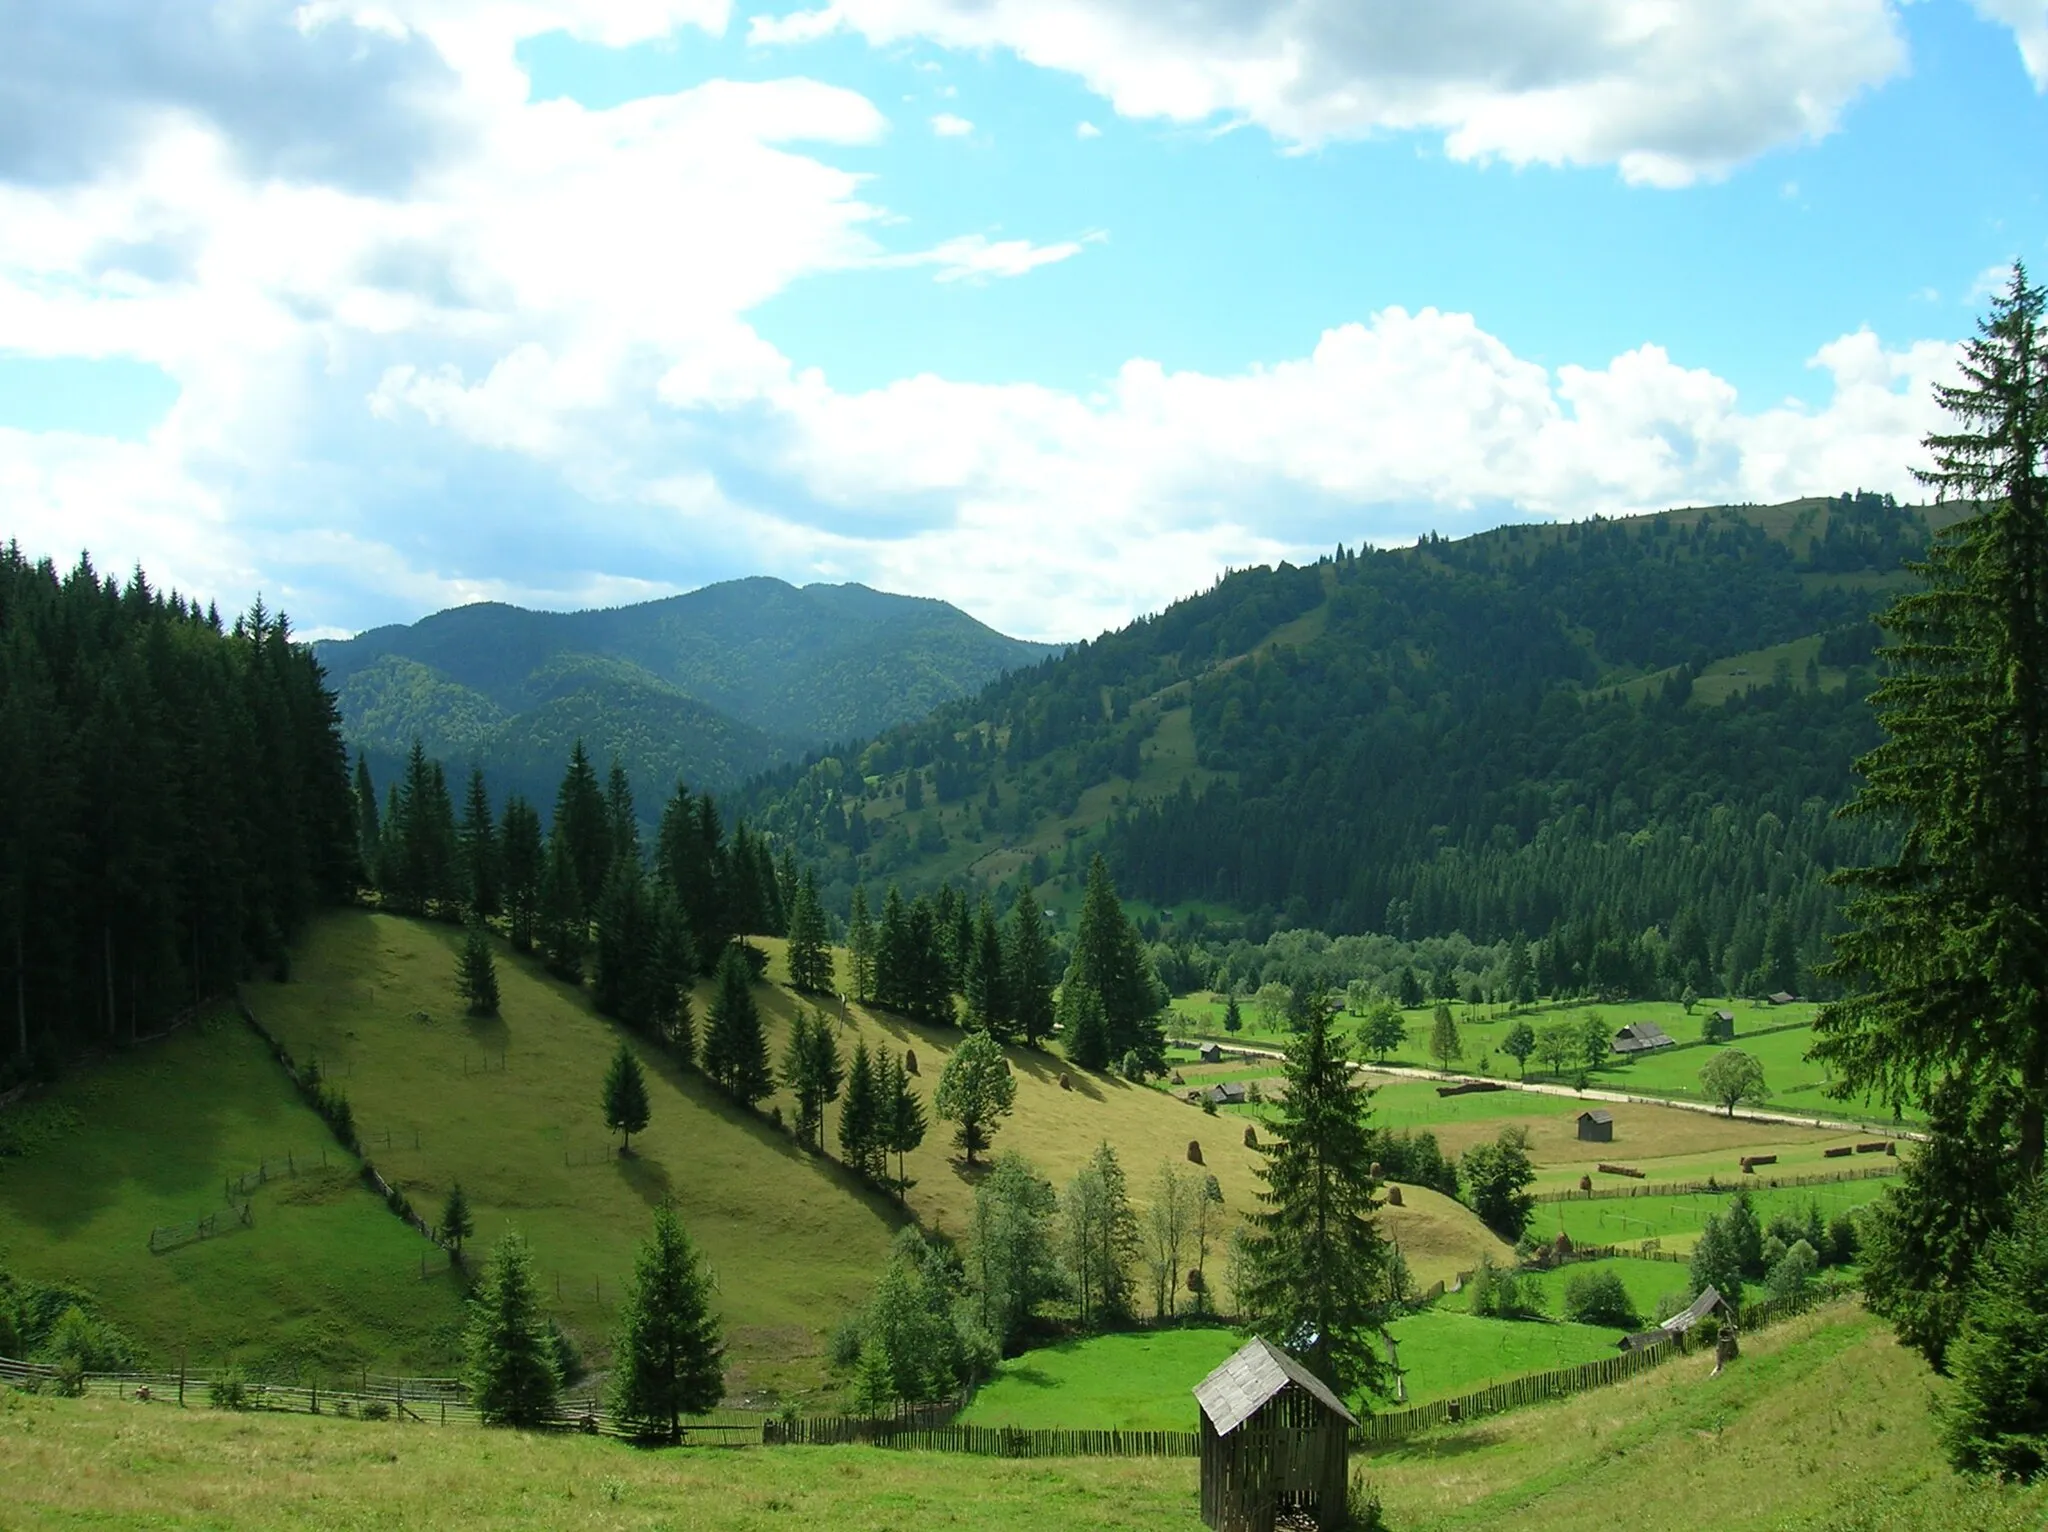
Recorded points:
981,1441
1718,1187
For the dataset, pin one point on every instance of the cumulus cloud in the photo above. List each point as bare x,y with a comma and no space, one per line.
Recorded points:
1667,92
525,368
947,125
2029,22
1086,129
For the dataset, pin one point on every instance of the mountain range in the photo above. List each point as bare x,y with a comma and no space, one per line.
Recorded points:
710,687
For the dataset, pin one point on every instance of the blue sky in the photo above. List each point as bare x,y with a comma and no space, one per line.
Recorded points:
1034,305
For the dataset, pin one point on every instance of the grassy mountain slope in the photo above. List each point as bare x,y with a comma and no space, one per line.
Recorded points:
713,685
323,1276
1605,723
510,1108
1821,1426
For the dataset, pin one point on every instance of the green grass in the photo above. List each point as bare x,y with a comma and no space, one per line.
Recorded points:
1822,1425
793,1241
1676,1220
1646,1282
325,1278
1141,1382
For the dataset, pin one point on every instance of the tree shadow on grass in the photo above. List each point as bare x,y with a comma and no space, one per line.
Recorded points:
1451,1442
1048,1068
649,1178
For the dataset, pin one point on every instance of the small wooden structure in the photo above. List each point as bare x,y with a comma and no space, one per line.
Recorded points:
1275,1440
1642,1037
1229,1093
1784,997
1720,1026
1708,1302
1596,1127
1212,1053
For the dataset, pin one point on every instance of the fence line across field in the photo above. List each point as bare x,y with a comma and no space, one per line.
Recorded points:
1718,1187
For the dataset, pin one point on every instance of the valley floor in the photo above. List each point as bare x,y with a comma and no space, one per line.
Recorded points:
1822,1426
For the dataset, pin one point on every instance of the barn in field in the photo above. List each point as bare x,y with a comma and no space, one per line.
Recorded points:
1596,1127
1641,1037
1275,1441
1720,1026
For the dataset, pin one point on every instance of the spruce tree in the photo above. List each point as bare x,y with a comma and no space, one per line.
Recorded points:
927,989
812,1071
369,839
456,1223
1109,958
735,1051
860,1116
522,854
583,825
987,986
1445,1045
1083,1029
478,981
903,1117
564,930
625,1096
975,1090
1233,1014
620,975
511,1354
1946,955
860,946
671,974
892,955
668,1360
1028,966
1316,1263
622,822
810,949
479,845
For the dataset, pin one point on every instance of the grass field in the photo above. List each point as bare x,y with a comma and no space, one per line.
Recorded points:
325,1278
1821,1426
1674,1221
1646,1281
794,1240
1141,1381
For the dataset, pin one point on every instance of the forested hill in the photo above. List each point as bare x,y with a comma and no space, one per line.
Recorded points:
711,686
1627,737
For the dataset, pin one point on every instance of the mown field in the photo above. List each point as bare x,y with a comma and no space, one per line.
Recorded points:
1822,1426
323,1278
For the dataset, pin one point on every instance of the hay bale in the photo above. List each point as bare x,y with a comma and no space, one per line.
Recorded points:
1177,1080
1375,1171
1251,1136
1196,1281
1195,1152
909,1061
1563,1244
1585,1183
1837,1153
1065,1083
1393,1195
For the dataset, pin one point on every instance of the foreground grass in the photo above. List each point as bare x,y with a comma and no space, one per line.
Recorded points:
324,1280
106,1463
1823,1425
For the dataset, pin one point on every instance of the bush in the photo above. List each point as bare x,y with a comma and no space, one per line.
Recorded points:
1997,1420
1792,1273
1841,1244
568,1355
376,1409
1362,1505
1600,1298
1498,1293
228,1392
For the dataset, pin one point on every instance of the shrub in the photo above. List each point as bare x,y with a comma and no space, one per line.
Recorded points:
1362,1505
1596,1297
228,1392
1997,1421
1792,1273
376,1409
1499,1293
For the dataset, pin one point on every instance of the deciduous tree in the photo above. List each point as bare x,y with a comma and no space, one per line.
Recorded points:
975,1091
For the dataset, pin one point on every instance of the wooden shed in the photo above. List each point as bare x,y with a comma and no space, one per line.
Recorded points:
1275,1441
1720,1026
1596,1127
1212,1053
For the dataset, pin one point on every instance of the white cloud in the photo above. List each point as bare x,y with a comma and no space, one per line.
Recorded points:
525,370
947,125
2029,22
1086,130
1668,92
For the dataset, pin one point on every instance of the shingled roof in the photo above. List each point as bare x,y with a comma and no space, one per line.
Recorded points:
1241,1387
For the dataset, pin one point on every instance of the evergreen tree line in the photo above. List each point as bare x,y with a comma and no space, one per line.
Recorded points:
922,952
173,804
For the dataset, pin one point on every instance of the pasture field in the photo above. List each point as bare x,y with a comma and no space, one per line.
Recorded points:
1141,1380
323,1278
1676,1221
1646,1281
1822,1425
510,1108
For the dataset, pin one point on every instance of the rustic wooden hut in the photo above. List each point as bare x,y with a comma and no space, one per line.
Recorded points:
1596,1127
1274,1440
1211,1053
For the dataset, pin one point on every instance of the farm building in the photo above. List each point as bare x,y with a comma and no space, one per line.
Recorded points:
1783,997
1596,1127
1720,1026
1229,1093
1642,1037
1708,1302
1212,1053
1275,1441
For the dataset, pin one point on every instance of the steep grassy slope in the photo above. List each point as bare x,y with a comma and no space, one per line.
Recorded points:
1822,1426
324,1277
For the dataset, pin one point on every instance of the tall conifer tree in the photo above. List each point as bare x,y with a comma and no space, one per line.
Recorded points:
735,1052
1028,965
810,943
522,855
584,826
668,1357
903,1117
860,946
481,865
511,1356
626,1108
861,1128
987,988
